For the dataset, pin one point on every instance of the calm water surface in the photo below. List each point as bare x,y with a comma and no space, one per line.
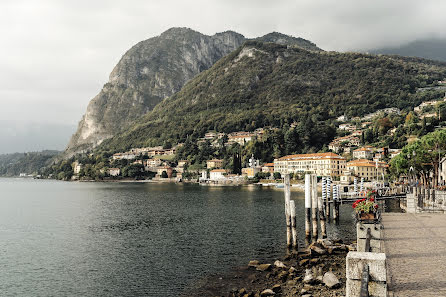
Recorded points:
135,239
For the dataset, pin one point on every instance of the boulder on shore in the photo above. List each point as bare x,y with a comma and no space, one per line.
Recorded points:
263,267
330,280
267,292
253,263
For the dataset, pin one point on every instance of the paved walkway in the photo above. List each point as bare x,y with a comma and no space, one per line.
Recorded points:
415,245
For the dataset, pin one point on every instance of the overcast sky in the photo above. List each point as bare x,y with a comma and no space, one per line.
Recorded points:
55,55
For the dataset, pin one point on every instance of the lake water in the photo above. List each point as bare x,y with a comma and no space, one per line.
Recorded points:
135,239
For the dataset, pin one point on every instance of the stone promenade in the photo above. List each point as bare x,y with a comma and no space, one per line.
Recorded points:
415,245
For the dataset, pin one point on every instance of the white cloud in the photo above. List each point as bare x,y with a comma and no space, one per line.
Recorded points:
55,55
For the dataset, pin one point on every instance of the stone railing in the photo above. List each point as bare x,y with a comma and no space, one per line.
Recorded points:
366,268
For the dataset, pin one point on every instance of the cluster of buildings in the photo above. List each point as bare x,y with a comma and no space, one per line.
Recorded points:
341,143
240,137
331,164
145,151
217,173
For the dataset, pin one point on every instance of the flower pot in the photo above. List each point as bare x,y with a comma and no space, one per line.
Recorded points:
366,216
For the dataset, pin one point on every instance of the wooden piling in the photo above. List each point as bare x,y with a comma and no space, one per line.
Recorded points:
307,206
287,192
327,201
293,224
314,205
320,207
335,198
336,203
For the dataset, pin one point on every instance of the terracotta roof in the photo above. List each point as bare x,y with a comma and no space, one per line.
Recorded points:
240,136
268,165
312,156
365,148
218,170
366,163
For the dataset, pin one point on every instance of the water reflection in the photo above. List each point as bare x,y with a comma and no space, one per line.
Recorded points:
135,238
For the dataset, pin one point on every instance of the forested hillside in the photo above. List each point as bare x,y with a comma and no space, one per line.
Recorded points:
266,84
29,163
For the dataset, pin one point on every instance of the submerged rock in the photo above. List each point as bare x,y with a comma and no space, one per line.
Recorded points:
253,263
263,267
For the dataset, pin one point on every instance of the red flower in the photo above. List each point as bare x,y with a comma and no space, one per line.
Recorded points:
376,205
372,199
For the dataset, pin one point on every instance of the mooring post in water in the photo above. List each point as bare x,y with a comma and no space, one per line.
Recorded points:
314,205
287,193
327,201
335,198
293,224
338,198
336,203
320,206
307,206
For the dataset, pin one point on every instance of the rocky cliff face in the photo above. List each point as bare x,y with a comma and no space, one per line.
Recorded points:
151,71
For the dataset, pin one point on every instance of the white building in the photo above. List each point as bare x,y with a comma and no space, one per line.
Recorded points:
322,164
217,174
365,152
114,171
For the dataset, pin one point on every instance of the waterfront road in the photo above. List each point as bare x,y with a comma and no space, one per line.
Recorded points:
415,245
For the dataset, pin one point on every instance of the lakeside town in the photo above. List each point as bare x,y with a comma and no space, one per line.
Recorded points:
346,158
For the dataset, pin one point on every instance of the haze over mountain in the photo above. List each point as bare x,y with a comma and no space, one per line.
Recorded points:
432,48
153,70
26,137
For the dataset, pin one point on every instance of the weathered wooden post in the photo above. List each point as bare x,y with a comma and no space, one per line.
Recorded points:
314,204
320,207
327,203
307,206
293,224
335,202
287,192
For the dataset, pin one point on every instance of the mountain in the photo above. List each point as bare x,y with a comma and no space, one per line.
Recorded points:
29,163
266,84
279,38
151,71
434,49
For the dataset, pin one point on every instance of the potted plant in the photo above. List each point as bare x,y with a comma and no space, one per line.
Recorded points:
366,208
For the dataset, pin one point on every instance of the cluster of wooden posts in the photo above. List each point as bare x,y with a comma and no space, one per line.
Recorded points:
315,206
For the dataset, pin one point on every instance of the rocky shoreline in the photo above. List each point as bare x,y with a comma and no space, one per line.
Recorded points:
319,270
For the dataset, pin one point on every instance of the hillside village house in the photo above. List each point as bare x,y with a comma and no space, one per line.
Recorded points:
347,127
152,164
241,139
114,171
268,168
214,163
167,169
217,174
251,172
321,164
420,107
369,170
394,152
126,156
340,142
77,167
365,152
